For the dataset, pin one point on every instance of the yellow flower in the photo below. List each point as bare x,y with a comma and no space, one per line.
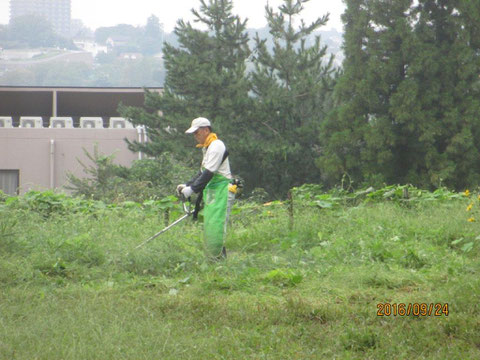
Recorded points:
478,198
469,207
472,219
467,192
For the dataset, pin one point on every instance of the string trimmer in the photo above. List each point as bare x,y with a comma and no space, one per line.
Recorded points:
188,212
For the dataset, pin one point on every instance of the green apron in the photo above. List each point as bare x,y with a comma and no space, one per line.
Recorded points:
215,196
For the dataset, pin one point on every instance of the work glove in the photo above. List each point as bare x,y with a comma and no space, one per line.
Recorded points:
187,192
180,188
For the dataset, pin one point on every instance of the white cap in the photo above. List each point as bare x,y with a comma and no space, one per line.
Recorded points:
198,123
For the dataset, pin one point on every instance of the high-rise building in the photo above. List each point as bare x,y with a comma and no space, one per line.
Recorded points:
57,12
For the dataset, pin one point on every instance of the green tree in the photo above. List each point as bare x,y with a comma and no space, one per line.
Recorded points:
205,77
32,31
151,41
111,182
124,32
292,85
61,73
3,33
18,77
147,71
359,136
407,96
441,97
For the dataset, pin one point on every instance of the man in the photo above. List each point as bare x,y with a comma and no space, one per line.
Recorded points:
212,181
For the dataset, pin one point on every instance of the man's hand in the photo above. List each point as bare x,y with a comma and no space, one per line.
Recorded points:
180,188
187,192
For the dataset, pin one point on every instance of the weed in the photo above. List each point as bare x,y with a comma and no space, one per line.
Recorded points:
7,232
360,339
73,287
283,277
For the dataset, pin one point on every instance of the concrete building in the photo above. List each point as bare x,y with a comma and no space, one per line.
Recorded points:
40,158
44,132
57,12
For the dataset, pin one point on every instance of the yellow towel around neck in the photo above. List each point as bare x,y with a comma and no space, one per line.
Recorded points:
210,138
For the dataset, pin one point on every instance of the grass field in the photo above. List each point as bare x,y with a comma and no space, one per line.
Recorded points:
73,288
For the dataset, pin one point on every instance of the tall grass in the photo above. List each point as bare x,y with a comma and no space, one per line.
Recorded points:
73,287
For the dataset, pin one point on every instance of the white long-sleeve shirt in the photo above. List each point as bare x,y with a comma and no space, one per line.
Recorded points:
212,159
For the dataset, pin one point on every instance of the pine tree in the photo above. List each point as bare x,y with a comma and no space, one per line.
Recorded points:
291,84
359,136
342,137
440,95
408,96
206,77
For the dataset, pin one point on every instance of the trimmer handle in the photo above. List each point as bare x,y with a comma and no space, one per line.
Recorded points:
186,207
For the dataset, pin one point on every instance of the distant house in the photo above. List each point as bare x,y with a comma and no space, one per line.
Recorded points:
117,40
90,46
131,56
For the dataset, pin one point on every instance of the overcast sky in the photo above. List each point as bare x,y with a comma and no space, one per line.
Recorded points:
97,13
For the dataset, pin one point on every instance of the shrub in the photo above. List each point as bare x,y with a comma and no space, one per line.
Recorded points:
112,183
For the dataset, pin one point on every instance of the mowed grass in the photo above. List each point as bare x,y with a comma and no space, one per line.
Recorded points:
73,287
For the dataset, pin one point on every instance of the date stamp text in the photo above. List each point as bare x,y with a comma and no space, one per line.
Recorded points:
415,309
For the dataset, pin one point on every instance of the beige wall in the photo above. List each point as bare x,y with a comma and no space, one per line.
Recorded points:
28,150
